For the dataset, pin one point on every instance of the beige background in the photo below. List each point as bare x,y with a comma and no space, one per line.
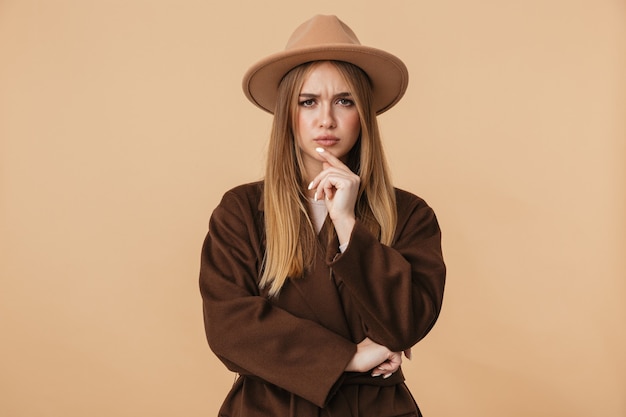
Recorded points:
122,122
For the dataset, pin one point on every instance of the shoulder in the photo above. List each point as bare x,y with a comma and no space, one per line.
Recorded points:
413,209
246,194
250,189
242,201
406,200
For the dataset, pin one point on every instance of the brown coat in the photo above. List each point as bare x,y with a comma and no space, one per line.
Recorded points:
291,352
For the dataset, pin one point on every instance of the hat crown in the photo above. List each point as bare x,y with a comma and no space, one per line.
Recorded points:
326,38
321,30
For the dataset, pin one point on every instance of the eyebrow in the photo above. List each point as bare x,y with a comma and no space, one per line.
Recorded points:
310,95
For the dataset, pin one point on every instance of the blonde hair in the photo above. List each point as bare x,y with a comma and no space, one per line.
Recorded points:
290,236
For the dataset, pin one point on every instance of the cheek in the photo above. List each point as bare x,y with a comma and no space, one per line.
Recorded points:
299,132
301,123
354,124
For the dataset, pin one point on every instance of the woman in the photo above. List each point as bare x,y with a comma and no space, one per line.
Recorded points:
315,280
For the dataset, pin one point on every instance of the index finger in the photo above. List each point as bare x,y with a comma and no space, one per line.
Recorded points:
331,159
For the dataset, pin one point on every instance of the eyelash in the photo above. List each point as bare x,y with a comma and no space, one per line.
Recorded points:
343,101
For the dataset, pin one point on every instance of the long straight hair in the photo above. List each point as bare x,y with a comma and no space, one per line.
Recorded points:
290,235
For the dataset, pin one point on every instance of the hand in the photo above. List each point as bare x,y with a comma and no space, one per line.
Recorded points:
373,356
339,187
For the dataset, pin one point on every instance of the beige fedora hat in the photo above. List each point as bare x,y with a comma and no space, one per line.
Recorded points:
327,38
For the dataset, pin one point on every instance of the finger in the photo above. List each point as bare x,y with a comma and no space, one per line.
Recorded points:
397,360
329,185
394,362
390,365
326,172
320,188
386,373
385,376
381,370
384,368
331,159
328,182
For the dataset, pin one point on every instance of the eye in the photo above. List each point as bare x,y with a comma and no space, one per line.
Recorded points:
345,102
307,103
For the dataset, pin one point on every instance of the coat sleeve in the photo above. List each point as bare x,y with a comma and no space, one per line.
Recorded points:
397,291
249,334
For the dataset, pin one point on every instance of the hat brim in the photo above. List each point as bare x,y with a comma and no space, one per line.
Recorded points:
387,73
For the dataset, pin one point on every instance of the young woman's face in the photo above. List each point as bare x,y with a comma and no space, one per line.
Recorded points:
326,117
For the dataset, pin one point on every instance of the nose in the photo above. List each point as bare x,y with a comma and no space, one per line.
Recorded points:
327,118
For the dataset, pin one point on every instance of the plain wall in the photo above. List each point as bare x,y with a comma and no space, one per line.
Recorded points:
122,123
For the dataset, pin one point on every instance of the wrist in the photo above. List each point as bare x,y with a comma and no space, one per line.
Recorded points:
344,228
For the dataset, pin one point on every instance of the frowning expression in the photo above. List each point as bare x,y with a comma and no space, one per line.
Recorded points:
326,117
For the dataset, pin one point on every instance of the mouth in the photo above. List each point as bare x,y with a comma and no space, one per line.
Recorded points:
326,140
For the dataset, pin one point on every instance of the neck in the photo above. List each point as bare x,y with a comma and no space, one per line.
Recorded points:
312,169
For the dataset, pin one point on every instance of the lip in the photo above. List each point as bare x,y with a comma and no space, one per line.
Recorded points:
326,140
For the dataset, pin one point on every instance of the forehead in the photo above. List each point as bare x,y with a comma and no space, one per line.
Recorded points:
324,76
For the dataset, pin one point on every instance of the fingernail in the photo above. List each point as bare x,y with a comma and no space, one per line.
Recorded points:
375,375
315,196
387,376
310,185
320,150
